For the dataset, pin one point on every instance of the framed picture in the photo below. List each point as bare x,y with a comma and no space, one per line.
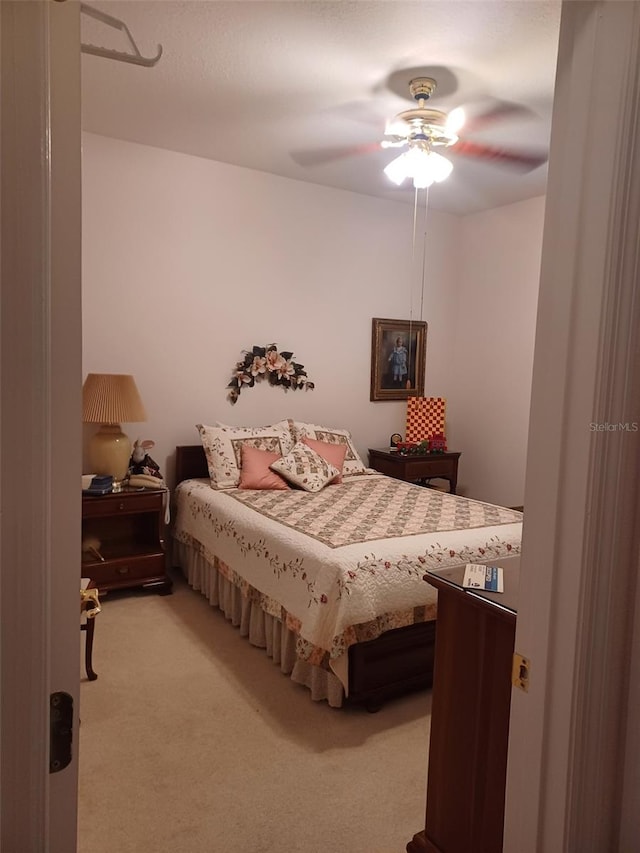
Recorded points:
398,355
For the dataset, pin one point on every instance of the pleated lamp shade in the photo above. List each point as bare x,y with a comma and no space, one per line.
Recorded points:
110,399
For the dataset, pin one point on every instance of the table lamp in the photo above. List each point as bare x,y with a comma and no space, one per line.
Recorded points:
110,399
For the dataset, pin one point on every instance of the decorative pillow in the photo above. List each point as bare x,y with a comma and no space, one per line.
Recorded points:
353,464
333,453
223,448
256,474
305,468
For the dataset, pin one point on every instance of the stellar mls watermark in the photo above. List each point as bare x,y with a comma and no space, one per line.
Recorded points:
627,426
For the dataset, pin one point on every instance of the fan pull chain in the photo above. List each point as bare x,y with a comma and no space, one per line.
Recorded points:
413,254
424,249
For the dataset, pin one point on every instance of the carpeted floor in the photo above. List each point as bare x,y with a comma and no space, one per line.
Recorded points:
192,741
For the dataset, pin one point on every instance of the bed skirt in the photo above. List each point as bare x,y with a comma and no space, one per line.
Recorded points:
261,629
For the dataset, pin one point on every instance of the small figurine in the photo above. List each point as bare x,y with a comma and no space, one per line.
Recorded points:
438,443
141,462
395,439
406,447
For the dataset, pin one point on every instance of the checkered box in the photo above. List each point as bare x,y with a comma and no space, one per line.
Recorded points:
425,417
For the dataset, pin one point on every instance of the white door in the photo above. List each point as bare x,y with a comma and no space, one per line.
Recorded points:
574,752
40,426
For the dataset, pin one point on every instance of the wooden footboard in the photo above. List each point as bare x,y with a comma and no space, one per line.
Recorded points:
394,663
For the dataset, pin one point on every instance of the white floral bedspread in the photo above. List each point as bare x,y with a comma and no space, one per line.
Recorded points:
328,589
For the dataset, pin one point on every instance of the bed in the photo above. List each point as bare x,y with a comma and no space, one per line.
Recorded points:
330,583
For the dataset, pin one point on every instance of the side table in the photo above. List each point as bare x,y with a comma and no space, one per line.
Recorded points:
123,540
414,467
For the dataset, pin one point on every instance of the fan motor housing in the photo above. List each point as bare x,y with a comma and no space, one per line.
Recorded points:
430,123
422,88
426,116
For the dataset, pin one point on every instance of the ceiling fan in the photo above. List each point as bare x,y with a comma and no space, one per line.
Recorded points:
421,130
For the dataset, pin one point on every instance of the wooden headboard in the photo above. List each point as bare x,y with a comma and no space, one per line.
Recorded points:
190,462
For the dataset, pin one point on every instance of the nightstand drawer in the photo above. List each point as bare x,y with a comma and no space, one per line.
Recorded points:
120,503
127,571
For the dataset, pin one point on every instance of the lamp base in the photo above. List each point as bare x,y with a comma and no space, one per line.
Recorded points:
110,452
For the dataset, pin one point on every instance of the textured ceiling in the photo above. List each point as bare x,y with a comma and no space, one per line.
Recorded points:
258,84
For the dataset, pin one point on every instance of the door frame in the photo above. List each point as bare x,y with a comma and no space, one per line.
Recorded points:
572,735
40,421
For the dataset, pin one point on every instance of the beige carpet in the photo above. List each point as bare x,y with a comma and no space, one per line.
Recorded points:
193,740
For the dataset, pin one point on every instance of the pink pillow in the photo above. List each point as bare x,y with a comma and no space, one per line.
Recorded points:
255,472
333,453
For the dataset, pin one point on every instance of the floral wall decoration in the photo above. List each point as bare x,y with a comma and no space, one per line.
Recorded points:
277,367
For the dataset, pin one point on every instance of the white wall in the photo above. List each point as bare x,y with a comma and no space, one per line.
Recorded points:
187,262
490,385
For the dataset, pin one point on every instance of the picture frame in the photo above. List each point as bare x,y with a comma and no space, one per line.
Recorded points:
397,375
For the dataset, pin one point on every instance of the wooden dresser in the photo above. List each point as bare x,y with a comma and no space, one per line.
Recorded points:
475,634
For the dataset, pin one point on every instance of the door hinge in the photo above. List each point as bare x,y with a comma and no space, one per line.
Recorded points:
60,731
520,672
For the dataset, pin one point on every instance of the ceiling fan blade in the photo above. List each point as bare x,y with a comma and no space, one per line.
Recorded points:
498,111
397,127
319,156
525,161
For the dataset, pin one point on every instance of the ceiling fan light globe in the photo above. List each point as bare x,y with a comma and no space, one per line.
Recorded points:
397,170
420,163
440,167
423,166
422,170
417,157
422,181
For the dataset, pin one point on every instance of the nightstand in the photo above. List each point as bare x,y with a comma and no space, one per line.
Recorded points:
129,527
413,467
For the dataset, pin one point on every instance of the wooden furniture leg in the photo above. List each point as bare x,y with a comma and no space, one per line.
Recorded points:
89,607
419,844
89,628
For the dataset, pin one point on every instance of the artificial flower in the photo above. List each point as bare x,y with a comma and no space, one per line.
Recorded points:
258,365
274,360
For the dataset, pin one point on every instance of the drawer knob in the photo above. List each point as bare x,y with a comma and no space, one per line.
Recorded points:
123,570
121,505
